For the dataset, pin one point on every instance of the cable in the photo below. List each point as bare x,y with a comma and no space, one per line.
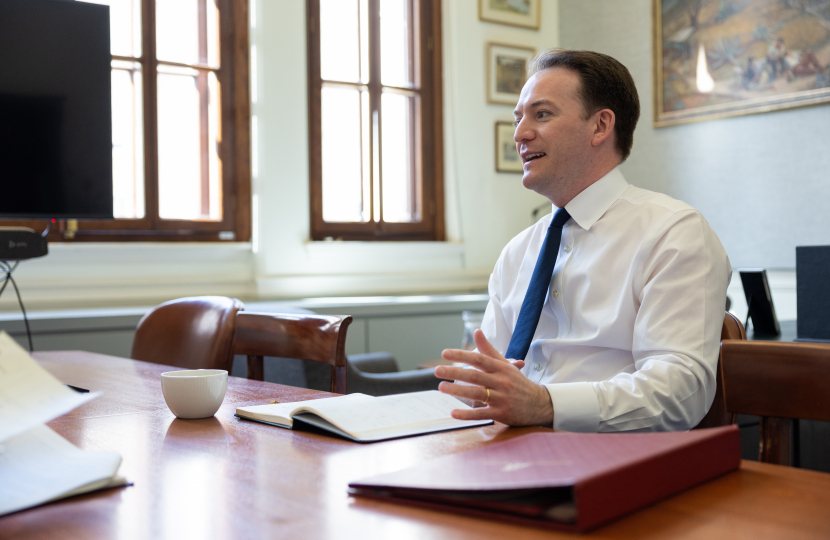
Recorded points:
8,269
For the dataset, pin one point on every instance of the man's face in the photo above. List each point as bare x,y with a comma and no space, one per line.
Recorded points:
552,137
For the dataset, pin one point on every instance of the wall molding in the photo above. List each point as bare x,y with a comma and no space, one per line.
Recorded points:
359,284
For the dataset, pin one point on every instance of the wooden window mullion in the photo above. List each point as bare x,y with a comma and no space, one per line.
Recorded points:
204,110
150,65
375,92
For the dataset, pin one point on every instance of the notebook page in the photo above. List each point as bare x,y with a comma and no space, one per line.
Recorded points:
29,395
398,413
281,413
39,465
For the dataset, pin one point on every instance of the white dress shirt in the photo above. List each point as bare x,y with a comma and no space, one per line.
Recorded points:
629,333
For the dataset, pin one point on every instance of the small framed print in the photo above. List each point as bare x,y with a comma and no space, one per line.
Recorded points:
523,13
507,157
506,72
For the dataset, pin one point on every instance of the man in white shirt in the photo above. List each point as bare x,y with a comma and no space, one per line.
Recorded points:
629,330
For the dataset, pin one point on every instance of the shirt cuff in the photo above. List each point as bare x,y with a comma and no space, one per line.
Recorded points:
575,407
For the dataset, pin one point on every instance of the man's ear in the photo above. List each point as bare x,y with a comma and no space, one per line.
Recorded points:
603,126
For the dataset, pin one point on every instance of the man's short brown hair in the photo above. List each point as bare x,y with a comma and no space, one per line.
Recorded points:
605,84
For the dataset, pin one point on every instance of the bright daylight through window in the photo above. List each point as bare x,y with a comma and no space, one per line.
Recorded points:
374,111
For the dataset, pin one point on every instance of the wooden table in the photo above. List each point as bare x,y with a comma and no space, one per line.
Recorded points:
227,478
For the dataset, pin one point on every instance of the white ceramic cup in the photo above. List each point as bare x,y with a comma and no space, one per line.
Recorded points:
194,393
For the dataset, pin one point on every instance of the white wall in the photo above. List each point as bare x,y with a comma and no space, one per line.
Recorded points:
484,209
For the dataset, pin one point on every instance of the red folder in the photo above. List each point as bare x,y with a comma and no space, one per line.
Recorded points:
566,481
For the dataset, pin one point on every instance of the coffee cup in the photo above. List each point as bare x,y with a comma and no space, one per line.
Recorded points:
194,393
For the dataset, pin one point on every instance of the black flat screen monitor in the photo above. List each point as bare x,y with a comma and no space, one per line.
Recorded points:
55,110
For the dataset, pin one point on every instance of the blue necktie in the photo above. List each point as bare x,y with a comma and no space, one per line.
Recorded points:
537,290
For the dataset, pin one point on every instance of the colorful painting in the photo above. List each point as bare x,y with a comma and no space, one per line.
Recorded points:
524,13
717,58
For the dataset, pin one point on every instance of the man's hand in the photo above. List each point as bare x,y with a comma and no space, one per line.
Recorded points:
514,400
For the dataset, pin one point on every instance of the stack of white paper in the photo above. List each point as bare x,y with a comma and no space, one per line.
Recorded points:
36,464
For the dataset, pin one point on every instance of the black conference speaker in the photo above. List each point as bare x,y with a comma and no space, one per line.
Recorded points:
812,271
20,243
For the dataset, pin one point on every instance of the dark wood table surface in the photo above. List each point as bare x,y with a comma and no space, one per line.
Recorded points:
227,478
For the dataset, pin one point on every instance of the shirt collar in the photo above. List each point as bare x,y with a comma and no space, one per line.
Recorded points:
593,201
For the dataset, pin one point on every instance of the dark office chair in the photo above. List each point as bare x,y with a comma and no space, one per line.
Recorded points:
192,333
320,338
378,374
717,416
778,381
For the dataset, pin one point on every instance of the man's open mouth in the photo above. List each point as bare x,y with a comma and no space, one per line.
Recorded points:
535,155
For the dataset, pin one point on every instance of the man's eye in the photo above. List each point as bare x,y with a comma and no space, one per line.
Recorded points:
542,114
515,123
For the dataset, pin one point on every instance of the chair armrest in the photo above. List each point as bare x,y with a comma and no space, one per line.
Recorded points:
381,384
377,362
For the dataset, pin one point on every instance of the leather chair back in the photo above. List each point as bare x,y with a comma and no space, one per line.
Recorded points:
717,416
320,338
191,333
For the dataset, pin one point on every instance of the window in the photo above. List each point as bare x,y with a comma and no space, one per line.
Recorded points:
375,138
180,114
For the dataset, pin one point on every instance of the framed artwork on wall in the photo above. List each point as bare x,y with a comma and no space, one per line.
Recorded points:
717,58
523,13
507,157
506,72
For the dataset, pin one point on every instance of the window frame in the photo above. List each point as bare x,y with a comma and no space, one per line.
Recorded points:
234,151
429,150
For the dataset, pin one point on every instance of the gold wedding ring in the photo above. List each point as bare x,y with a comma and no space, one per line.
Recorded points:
488,396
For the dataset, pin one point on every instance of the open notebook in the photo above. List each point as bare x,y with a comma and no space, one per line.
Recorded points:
365,418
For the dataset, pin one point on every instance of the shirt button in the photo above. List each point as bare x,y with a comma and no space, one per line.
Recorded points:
567,249
555,293
537,366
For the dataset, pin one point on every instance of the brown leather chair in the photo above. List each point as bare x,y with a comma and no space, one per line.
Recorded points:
320,338
778,381
717,416
192,333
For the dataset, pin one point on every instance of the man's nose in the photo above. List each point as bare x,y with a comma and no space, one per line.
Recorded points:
523,132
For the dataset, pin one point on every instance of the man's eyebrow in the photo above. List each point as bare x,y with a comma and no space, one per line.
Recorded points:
542,101
537,103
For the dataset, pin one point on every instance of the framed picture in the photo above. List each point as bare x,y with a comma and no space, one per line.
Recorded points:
524,13
506,72
714,59
507,157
